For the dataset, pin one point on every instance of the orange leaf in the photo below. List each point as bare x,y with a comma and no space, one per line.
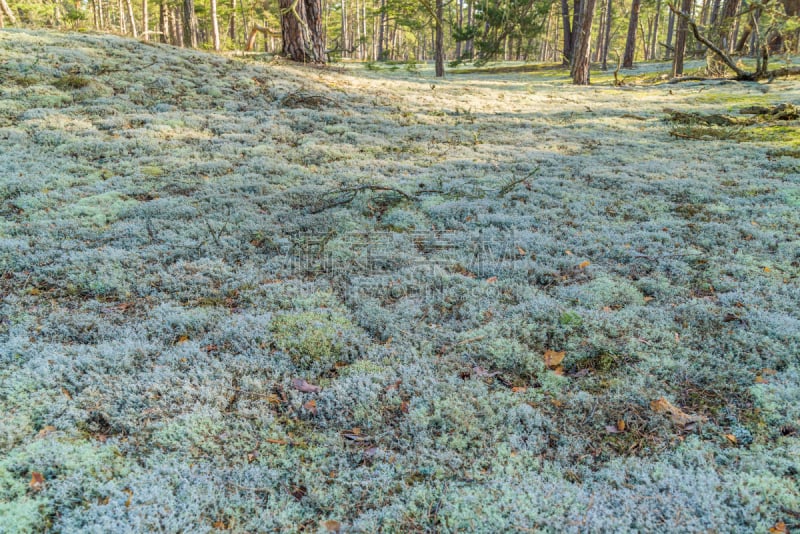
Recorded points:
182,339
37,481
553,359
519,389
731,438
276,441
761,380
332,526
584,264
621,425
648,299
491,280
404,406
678,416
568,252
311,406
779,528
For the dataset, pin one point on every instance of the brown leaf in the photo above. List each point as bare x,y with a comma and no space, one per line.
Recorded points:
678,416
621,425
779,528
311,406
298,492
491,280
553,359
519,389
332,525
276,441
301,385
584,264
404,406
37,481
731,438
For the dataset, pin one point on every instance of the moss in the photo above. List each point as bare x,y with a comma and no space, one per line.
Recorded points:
71,82
101,209
152,171
311,339
775,134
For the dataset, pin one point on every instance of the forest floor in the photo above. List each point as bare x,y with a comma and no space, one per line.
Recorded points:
248,296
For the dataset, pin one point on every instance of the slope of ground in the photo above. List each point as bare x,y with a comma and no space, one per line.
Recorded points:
526,305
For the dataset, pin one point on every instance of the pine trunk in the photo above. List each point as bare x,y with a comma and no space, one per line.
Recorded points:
580,69
214,25
301,29
567,32
607,40
680,40
630,43
439,48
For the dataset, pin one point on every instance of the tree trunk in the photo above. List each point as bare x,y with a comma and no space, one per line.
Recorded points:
439,49
381,28
189,24
301,29
680,40
580,69
345,46
145,21
232,23
630,43
576,25
654,36
607,40
567,53
724,34
162,21
129,5
214,25
670,31
122,27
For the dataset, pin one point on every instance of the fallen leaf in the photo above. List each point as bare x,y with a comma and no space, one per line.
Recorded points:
553,359
621,425
332,525
298,492
311,406
182,339
521,251
779,528
761,380
45,431
648,299
584,264
129,493
491,280
404,406
301,385
276,441
66,393
678,416
767,270
519,389
612,429
731,438
37,481
568,252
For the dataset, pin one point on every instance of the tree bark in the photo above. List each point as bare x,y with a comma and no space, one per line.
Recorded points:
381,29
670,32
214,25
301,29
654,36
607,36
163,21
439,49
145,21
630,43
580,69
680,40
189,24
129,5
567,53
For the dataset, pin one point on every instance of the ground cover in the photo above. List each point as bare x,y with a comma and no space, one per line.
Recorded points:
240,295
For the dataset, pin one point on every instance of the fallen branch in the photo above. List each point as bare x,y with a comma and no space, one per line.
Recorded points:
514,183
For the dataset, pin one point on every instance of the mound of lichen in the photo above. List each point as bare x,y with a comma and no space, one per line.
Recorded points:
245,296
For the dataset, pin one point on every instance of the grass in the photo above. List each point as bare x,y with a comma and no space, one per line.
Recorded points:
180,244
